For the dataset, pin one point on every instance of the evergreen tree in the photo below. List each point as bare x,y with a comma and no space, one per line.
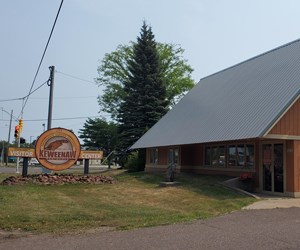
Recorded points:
145,100
113,72
99,134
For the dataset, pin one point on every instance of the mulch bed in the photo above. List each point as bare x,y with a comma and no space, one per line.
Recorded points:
57,179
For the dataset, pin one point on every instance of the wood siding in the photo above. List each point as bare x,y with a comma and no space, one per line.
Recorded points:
290,171
191,159
162,163
192,154
296,176
289,124
293,166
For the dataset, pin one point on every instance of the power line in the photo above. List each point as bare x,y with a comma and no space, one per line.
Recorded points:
13,99
22,98
38,69
60,119
10,114
74,77
45,98
30,93
65,97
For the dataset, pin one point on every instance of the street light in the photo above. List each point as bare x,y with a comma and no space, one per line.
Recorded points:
43,127
30,138
11,116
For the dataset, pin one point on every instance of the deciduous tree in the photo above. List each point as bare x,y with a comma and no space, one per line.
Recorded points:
114,71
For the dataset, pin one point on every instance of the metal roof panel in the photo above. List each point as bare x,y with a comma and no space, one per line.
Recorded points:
240,102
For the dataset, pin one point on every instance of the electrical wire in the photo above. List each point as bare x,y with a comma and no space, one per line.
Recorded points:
30,93
10,114
65,97
13,99
38,69
74,77
60,119
22,98
55,119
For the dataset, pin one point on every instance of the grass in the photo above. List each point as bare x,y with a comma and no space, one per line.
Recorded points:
134,201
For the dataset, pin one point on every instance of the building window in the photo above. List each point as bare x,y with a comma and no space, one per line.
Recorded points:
222,156
240,155
232,155
207,156
173,155
154,155
215,156
245,155
249,154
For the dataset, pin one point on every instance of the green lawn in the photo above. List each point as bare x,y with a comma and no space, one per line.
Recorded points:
134,201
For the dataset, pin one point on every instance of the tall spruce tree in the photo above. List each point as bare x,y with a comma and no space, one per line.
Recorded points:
145,99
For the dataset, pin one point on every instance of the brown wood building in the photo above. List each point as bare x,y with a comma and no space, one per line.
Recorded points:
244,120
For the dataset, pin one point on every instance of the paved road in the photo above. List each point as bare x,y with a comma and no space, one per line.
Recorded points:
13,170
246,229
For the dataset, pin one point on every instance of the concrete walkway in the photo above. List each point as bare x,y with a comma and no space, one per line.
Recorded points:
263,201
274,202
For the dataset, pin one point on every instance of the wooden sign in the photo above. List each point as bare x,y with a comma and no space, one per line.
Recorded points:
57,149
90,154
21,152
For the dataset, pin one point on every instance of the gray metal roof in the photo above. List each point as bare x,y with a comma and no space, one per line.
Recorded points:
240,102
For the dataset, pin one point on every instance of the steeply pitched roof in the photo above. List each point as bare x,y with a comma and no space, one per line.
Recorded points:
240,102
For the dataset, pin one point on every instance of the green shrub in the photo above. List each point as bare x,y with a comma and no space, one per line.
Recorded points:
135,162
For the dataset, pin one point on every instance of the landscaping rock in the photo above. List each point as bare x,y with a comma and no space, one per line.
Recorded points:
57,179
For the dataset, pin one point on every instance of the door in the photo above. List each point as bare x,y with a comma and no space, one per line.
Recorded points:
273,167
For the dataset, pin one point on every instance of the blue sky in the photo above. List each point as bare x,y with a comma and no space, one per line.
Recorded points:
215,34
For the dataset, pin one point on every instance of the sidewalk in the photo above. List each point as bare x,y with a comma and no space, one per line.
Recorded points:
268,202
263,201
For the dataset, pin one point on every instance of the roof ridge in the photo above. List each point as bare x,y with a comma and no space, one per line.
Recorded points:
252,58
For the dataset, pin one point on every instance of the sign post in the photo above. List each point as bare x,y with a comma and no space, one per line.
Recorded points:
56,149
25,167
86,166
87,155
22,152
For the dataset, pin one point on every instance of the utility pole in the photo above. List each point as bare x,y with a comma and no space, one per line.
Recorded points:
8,140
51,85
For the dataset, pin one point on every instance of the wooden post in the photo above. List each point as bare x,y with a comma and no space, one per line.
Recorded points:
25,167
86,166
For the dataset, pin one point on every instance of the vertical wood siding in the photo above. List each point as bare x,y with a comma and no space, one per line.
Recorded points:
289,124
297,166
192,155
290,176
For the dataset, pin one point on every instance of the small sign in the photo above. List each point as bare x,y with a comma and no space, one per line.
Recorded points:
267,156
57,149
21,152
89,154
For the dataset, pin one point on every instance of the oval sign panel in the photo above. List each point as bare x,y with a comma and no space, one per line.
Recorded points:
57,149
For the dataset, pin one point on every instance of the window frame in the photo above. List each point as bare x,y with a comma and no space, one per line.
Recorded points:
240,149
218,156
153,159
